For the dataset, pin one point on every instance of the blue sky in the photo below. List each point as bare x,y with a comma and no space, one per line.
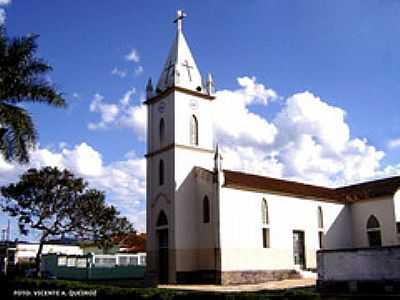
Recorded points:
345,53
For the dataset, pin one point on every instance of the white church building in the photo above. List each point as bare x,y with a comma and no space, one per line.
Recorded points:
206,224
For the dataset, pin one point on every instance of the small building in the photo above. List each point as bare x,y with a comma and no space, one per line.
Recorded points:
95,266
25,252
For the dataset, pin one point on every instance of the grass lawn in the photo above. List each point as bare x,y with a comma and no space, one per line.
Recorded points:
24,288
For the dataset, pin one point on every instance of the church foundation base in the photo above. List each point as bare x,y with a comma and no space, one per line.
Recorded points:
199,277
249,277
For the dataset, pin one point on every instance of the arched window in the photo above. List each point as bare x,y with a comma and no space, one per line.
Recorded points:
161,172
320,218
206,210
162,219
264,212
374,232
194,131
162,130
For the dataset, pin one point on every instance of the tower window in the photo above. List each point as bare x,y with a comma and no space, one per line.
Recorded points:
162,131
161,172
206,210
194,131
374,232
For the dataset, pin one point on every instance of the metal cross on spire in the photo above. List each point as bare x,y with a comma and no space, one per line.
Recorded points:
179,19
188,67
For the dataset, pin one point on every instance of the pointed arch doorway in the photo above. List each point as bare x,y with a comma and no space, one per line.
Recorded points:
162,239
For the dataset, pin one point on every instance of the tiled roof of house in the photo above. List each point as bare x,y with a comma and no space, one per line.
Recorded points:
352,193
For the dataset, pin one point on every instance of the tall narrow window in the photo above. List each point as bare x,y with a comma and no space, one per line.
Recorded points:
265,235
162,131
321,239
320,227
374,232
264,212
162,219
265,224
206,210
161,172
194,131
320,218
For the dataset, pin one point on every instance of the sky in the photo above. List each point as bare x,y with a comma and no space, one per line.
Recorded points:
306,90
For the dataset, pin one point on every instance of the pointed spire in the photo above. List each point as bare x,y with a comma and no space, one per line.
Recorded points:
149,89
217,159
210,85
180,68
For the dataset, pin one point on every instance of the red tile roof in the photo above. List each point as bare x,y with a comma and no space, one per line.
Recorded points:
352,193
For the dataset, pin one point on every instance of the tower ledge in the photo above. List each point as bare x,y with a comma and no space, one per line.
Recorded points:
169,90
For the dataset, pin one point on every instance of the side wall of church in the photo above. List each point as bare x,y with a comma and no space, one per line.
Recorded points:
194,240
383,209
241,229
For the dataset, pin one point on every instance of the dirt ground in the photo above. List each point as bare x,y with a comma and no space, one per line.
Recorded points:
271,285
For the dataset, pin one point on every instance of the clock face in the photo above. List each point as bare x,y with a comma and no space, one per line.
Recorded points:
161,107
194,104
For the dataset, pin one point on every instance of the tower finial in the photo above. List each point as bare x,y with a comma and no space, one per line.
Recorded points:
179,19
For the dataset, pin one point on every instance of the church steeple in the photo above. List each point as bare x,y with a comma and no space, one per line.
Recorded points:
180,68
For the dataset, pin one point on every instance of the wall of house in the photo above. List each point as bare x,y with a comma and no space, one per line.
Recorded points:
26,252
383,209
241,229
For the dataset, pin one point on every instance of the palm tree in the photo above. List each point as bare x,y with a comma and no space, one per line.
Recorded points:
21,80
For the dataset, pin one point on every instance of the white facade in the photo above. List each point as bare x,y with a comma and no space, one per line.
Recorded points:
203,228
27,252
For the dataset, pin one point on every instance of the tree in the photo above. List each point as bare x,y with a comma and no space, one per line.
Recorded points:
57,203
22,79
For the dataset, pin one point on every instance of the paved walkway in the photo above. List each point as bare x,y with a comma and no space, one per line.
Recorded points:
271,285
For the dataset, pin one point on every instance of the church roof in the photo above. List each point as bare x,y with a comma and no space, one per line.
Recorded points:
180,69
346,194
370,189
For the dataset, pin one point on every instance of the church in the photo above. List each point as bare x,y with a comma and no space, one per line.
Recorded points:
206,224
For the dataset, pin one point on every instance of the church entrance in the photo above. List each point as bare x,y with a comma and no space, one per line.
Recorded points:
163,255
299,249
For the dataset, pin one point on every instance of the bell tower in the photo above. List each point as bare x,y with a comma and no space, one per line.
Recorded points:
179,141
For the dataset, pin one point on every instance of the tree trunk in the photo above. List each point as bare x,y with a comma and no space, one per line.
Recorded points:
39,254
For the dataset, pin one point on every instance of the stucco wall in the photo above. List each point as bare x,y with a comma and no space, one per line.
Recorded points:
27,251
359,264
241,229
383,209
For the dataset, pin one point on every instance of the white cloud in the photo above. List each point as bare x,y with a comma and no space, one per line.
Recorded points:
124,114
234,123
133,55
123,181
307,140
2,16
118,72
394,143
125,100
5,2
108,112
139,70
